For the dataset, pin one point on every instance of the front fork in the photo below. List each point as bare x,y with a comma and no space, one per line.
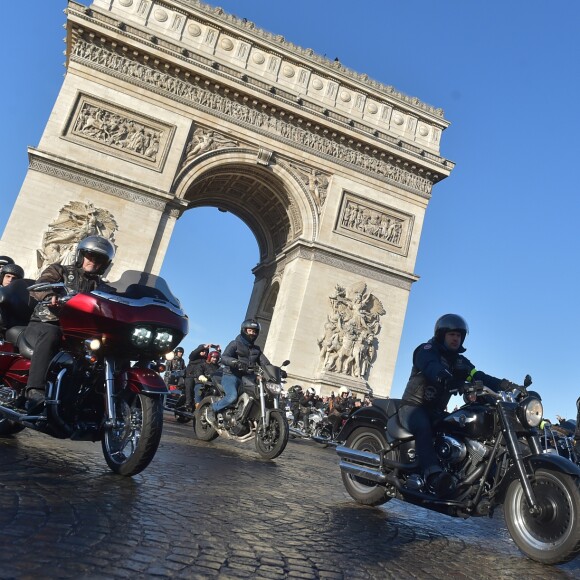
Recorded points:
111,419
514,449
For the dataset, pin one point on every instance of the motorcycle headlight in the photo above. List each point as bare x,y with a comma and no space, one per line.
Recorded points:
274,388
141,336
163,339
530,412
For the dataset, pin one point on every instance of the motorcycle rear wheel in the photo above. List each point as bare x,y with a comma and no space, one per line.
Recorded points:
8,427
204,430
271,441
130,447
364,491
553,537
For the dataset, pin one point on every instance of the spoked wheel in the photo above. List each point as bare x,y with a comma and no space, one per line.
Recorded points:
203,429
553,535
272,440
180,404
362,490
323,432
130,446
8,427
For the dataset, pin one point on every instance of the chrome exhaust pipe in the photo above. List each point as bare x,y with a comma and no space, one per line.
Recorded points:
364,457
364,472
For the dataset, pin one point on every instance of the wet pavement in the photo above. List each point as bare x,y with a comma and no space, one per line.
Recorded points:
216,510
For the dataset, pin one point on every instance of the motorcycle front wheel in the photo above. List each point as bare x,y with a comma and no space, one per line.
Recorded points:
552,536
202,428
130,446
364,491
272,440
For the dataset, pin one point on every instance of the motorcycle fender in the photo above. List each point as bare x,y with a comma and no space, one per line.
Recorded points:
146,381
364,417
535,462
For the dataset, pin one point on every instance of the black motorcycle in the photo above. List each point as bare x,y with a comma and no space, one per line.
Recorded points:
559,439
491,448
257,413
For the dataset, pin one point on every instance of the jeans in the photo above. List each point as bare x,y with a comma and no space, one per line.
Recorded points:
418,421
230,385
197,392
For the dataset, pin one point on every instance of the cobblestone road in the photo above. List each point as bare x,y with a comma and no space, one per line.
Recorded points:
217,511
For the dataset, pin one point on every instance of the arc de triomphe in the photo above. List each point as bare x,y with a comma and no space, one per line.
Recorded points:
169,105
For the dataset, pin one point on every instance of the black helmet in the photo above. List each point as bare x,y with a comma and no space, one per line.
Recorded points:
449,322
178,349
13,269
5,260
250,323
95,245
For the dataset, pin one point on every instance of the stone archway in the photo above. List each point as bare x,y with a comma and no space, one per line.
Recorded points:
169,105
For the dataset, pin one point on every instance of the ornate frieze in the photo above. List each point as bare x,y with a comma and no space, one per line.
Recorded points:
119,132
375,223
254,117
349,342
76,220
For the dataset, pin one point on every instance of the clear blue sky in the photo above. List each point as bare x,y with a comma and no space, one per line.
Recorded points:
500,244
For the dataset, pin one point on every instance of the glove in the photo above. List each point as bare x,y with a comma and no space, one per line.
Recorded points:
506,385
239,365
202,379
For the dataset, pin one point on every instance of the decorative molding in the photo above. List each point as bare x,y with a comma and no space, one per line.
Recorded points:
352,264
264,156
258,120
93,182
118,131
375,223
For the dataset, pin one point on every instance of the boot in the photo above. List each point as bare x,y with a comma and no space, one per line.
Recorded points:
34,401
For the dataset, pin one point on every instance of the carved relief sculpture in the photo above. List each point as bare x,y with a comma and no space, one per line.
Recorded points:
349,342
368,221
205,140
108,127
317,182
75,221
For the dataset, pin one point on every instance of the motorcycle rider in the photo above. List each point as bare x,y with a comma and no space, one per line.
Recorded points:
11,314
175,368
238,358
10,272
342,405
196,359
307,403
207,369
438,368
294,395
94,254
5,260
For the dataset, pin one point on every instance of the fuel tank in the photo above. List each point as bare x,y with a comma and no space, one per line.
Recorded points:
473,421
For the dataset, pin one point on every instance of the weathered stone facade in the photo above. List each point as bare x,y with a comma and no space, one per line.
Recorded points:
169,105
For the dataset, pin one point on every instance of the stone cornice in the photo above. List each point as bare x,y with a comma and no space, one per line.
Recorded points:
318,252
278,42
68,170
303,104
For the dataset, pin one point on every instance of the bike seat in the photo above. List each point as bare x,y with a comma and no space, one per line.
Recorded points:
15,335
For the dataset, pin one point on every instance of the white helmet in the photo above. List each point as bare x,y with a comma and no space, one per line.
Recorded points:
310,391
343,390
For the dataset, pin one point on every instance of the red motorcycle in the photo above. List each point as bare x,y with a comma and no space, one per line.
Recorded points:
104,384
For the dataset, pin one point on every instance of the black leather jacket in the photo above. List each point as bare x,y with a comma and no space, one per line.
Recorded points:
436,371
243,350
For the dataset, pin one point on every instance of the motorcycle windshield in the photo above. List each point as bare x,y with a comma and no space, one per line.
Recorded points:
134,284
